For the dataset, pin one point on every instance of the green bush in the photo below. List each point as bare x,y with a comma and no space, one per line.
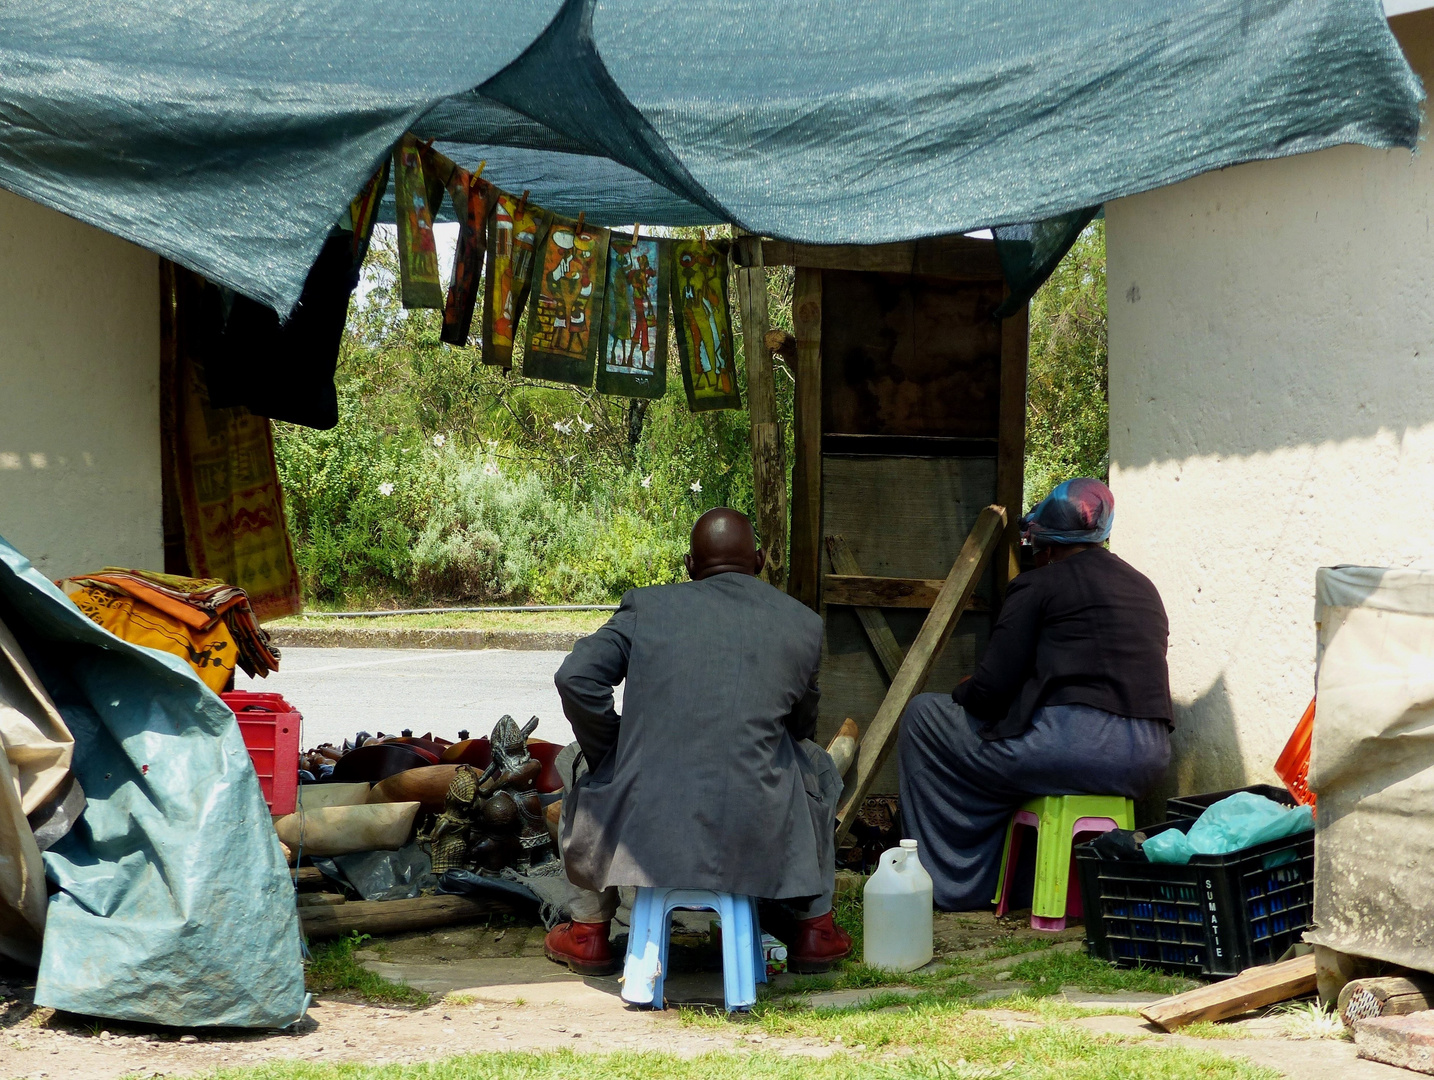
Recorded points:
448,480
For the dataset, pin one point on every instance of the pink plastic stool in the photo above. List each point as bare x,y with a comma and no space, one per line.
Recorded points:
1060,821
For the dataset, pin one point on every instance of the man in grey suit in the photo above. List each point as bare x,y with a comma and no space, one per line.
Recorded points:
708,780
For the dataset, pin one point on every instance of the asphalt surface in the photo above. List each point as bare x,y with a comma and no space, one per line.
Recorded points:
341,691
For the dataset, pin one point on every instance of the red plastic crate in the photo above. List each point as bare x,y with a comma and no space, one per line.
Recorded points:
270,726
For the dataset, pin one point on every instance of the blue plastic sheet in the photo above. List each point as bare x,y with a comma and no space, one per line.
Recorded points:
1242,821
174,902
230,137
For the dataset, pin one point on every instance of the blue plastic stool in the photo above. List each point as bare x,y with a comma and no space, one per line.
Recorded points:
743,963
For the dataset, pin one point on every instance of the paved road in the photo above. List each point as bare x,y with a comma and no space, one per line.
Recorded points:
341,691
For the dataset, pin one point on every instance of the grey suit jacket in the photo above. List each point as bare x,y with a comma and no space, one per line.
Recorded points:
699,784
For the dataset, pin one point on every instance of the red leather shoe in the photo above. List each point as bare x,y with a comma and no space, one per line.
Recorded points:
583,946
818,944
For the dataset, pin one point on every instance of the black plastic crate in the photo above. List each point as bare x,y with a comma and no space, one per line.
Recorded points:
1192,806
1215,916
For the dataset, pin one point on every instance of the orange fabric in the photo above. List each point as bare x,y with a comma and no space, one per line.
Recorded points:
211,653
189,615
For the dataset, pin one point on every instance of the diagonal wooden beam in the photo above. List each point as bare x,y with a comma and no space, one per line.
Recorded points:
872,620
880,737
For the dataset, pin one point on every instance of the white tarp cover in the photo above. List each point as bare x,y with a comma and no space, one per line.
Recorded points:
35,753
1372,764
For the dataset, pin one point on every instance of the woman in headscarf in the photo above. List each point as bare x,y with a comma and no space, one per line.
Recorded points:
1072,696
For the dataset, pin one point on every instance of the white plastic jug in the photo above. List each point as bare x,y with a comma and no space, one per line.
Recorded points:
897,904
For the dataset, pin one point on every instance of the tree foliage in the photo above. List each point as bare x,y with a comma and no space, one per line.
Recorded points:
1067,414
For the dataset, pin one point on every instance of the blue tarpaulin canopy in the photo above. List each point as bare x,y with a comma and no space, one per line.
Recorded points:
229,137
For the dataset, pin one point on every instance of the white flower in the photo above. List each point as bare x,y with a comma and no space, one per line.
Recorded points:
439,440
586,426
695,487
564,427
647,480
385,488
490,469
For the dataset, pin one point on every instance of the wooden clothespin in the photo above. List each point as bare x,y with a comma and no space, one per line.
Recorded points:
522,205
636,229
702,235
479,171
582,217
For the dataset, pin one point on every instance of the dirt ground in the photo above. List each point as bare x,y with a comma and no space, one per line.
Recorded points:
500,993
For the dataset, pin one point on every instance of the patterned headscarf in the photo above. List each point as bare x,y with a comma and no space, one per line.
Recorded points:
1079,511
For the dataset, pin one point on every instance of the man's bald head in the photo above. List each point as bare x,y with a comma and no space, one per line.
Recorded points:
723,543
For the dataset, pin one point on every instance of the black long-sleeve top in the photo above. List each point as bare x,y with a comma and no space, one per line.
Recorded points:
1088,630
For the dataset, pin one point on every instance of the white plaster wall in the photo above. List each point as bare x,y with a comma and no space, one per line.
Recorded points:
79,394
1271,411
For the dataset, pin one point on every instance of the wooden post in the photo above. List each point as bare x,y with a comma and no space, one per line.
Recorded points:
1011,441
880,737
397,916
888,651
804,572
1390,995
769,458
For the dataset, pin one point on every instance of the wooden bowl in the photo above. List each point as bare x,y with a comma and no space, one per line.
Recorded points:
427,786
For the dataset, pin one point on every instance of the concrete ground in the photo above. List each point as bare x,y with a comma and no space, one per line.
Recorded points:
341,691
501,993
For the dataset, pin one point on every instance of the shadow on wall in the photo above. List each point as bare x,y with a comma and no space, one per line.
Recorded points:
1205,752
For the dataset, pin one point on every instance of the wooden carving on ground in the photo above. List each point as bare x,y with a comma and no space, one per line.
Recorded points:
493,819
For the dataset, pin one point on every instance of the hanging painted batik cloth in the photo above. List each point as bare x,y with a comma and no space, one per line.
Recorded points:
417,252
514,231
472,199
363,212
632,351
704,324
567,304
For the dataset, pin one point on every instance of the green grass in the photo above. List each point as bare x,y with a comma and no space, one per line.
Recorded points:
965,1049
333,969
1048,973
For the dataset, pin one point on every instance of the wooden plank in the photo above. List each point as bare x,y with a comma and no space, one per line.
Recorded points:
1011,441
804,570
864,590
396,916
1251,989
307,877
880,737
769,457
888,652
902,517
957,257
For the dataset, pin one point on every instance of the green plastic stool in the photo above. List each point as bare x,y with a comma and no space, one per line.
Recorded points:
1058,821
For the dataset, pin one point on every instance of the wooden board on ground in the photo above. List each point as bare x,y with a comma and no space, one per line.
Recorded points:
1248,990
397,916
880,737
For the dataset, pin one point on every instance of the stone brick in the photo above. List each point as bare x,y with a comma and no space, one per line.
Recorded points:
1406,1041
